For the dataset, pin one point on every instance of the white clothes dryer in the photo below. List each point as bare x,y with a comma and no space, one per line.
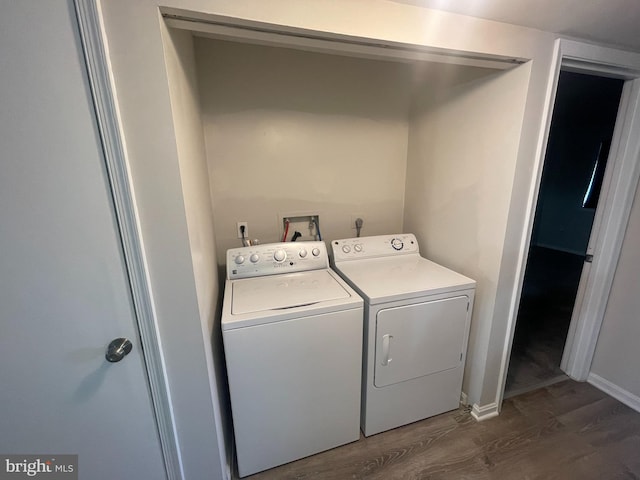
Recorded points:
416,327
292,333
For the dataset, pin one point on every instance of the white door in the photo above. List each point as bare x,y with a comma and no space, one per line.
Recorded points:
419,339
63,286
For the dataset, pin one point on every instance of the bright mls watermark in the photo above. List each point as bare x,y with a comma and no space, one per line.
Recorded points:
51,467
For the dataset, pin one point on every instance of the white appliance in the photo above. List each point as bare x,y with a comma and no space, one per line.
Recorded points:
417,316
292,333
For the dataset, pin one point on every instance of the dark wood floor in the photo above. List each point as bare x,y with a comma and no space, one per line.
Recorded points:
548,295
568,430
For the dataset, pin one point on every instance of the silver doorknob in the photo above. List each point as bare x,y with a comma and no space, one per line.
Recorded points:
118,349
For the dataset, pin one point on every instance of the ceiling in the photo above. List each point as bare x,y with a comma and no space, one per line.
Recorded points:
609,22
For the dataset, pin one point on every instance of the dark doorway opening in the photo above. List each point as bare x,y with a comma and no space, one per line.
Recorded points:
582,126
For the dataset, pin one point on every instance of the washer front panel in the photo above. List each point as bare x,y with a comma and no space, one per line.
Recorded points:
295,387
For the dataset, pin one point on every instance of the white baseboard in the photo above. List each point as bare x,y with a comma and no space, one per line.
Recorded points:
628,398
485,412
464,400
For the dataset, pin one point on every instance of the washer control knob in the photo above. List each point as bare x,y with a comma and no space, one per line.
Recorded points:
279,255
397,244
346,248
239,259
357,247
254,258
302,253
315,252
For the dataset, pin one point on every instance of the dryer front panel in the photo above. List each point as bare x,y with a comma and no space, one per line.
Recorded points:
419,339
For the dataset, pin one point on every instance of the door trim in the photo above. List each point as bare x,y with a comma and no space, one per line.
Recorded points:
94,46
612,213
613,209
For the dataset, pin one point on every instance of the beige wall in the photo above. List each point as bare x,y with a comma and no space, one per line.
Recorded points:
185,106
617,355
464,142
290,131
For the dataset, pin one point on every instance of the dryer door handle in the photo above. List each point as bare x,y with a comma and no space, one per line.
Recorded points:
386,349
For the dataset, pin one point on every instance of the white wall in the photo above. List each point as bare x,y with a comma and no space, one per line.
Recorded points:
617,355
197,204
464,141
290,131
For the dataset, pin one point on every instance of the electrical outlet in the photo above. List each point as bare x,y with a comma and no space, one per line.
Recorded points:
246,229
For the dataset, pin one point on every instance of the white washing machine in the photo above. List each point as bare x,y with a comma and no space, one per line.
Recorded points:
416,327
292,333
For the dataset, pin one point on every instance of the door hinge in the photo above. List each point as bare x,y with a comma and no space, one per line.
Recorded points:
588,258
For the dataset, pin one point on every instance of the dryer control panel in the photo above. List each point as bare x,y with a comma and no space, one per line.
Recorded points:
377,246
276,258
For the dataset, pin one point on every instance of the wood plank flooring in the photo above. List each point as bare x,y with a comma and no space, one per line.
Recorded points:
566,431
548,295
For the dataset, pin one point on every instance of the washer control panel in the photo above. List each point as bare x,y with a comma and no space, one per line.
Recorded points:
371,247
276,258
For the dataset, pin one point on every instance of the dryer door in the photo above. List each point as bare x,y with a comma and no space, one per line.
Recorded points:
419,339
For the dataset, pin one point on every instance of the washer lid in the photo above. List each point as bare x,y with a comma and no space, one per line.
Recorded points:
398,278
280,292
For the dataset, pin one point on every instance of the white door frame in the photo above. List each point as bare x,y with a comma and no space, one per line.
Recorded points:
108,118
614,206
613,210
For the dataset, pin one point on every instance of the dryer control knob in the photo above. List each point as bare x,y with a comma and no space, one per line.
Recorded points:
315,252
302,253
279,255
346,248
397,244
239,259
357,247
254,258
